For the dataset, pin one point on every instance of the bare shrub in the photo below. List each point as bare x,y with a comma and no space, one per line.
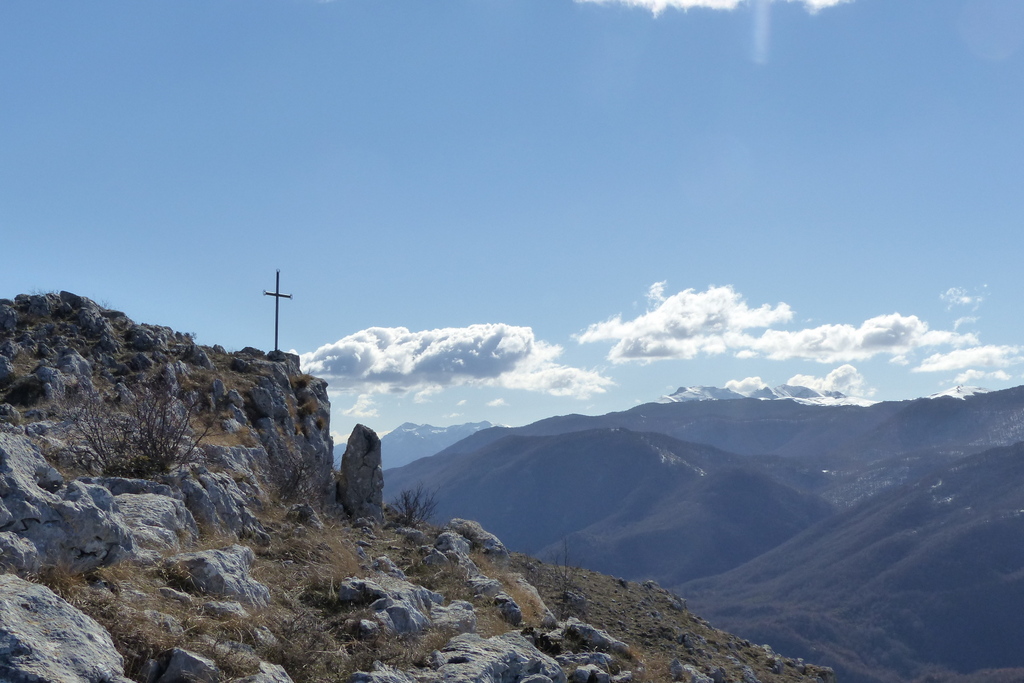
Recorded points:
414,506
571,601
143,431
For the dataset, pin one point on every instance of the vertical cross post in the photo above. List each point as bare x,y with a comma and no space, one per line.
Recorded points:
277,304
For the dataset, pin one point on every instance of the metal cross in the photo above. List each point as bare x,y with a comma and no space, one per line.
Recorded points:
277,304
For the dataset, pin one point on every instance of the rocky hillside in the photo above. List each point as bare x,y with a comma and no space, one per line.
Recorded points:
681,510
169,512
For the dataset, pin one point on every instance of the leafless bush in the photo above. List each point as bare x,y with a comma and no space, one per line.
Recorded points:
414,506
571,601
143,431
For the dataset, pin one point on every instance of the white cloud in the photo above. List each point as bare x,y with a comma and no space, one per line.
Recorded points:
424,394
966,320
362,408
746,386
659,6
892,334
978,356
685,325
656,294
690,323
462,402
958,296
397,360
844,379
972,376
497,403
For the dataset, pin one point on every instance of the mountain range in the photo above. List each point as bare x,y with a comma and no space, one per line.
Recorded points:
783,392
409,441
779,516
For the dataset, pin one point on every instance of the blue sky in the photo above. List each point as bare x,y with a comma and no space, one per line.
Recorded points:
510,209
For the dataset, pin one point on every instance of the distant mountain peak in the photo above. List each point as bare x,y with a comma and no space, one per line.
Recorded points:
789,392
961,392
409,441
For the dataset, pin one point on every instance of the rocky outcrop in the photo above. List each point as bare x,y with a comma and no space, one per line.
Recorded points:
220,503
593,638
223,572
77,526
399,606
361,481
158,522
43,638
80,349
508,657
177,665
468,658
489,544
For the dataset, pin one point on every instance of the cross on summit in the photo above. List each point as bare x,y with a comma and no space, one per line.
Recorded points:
277,304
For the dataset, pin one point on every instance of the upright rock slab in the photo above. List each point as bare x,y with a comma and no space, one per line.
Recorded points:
361,484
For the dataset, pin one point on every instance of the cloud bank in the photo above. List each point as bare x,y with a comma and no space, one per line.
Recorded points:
685,325
397,360
659,6
845,379
719,320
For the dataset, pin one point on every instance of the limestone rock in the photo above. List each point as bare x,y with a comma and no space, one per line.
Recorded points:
78,526
218,502
385,565
304,513
177,596
158,522
52,379
268,673
594,638
269,399
177,666
484,586
73,365
121,485
361,483
8,318
225,608
16,553
414,536
598,659
487,542
468,658
381,673
508,608
224,572
399,606
459,616
43,638
588,673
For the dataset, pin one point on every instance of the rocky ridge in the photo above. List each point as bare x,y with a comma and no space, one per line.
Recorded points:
236,552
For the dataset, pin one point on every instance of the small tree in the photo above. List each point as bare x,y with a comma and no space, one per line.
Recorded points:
415,506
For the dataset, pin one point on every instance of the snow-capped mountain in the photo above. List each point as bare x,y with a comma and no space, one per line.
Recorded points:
788,392
960,391
410,441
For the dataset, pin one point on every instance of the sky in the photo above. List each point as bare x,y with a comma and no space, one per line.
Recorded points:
510,209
